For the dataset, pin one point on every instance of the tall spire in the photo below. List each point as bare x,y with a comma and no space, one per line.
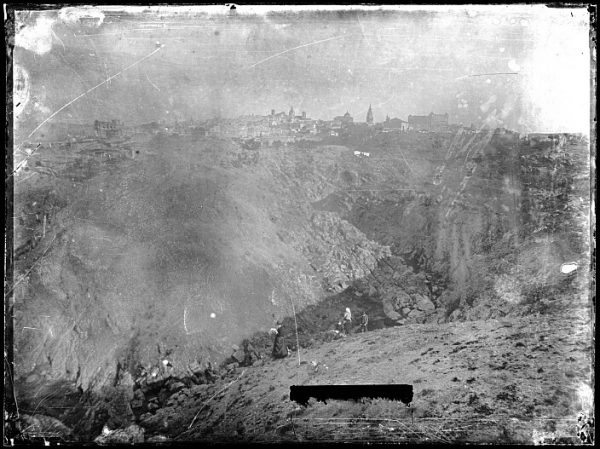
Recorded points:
370,116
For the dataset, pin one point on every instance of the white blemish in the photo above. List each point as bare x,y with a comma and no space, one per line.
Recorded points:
501,49
568,267
213,315
37,37
513,66
586,396
77,15
41,108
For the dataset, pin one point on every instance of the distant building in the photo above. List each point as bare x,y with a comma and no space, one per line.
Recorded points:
278,118
370,116
342,120
114,128
439,122
394,124
431,122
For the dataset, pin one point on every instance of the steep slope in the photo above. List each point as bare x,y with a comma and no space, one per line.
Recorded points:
184,250
485,221
480,381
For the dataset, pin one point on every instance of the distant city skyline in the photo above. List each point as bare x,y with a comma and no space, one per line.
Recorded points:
482,65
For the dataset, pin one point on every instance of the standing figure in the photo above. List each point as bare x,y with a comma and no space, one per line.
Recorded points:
280,349
347,321
364,320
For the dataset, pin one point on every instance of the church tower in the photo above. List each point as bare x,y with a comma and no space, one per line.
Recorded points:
369,116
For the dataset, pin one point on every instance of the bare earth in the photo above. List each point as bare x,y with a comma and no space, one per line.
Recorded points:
483,381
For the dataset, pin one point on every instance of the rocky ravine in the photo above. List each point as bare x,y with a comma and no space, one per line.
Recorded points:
186,248
135,261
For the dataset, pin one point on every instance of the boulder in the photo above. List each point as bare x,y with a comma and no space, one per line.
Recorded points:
158,439
176,386
454,315
389,311
402,299
415,313
130,435
405,311
199,389
239,356
195,368
232,366
424,304
138,399
35,425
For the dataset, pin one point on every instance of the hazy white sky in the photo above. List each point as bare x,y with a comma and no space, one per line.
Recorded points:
523,67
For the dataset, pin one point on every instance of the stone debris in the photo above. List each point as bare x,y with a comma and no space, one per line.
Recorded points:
130,435
42,426
158,439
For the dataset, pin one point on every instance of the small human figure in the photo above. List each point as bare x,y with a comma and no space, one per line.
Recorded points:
364,320
347,321
279,347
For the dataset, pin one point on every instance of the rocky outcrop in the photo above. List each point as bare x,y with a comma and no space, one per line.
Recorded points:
45,427
130,435
199,248
170,247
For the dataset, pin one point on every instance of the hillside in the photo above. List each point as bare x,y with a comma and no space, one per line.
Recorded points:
179,247
481,381
509,381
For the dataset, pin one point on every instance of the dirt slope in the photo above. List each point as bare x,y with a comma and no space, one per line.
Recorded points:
481,381
192,244
184,249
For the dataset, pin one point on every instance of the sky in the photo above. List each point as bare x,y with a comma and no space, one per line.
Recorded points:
523,67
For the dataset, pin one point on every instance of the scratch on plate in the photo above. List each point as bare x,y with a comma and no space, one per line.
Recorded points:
153,85
184,322
296,48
